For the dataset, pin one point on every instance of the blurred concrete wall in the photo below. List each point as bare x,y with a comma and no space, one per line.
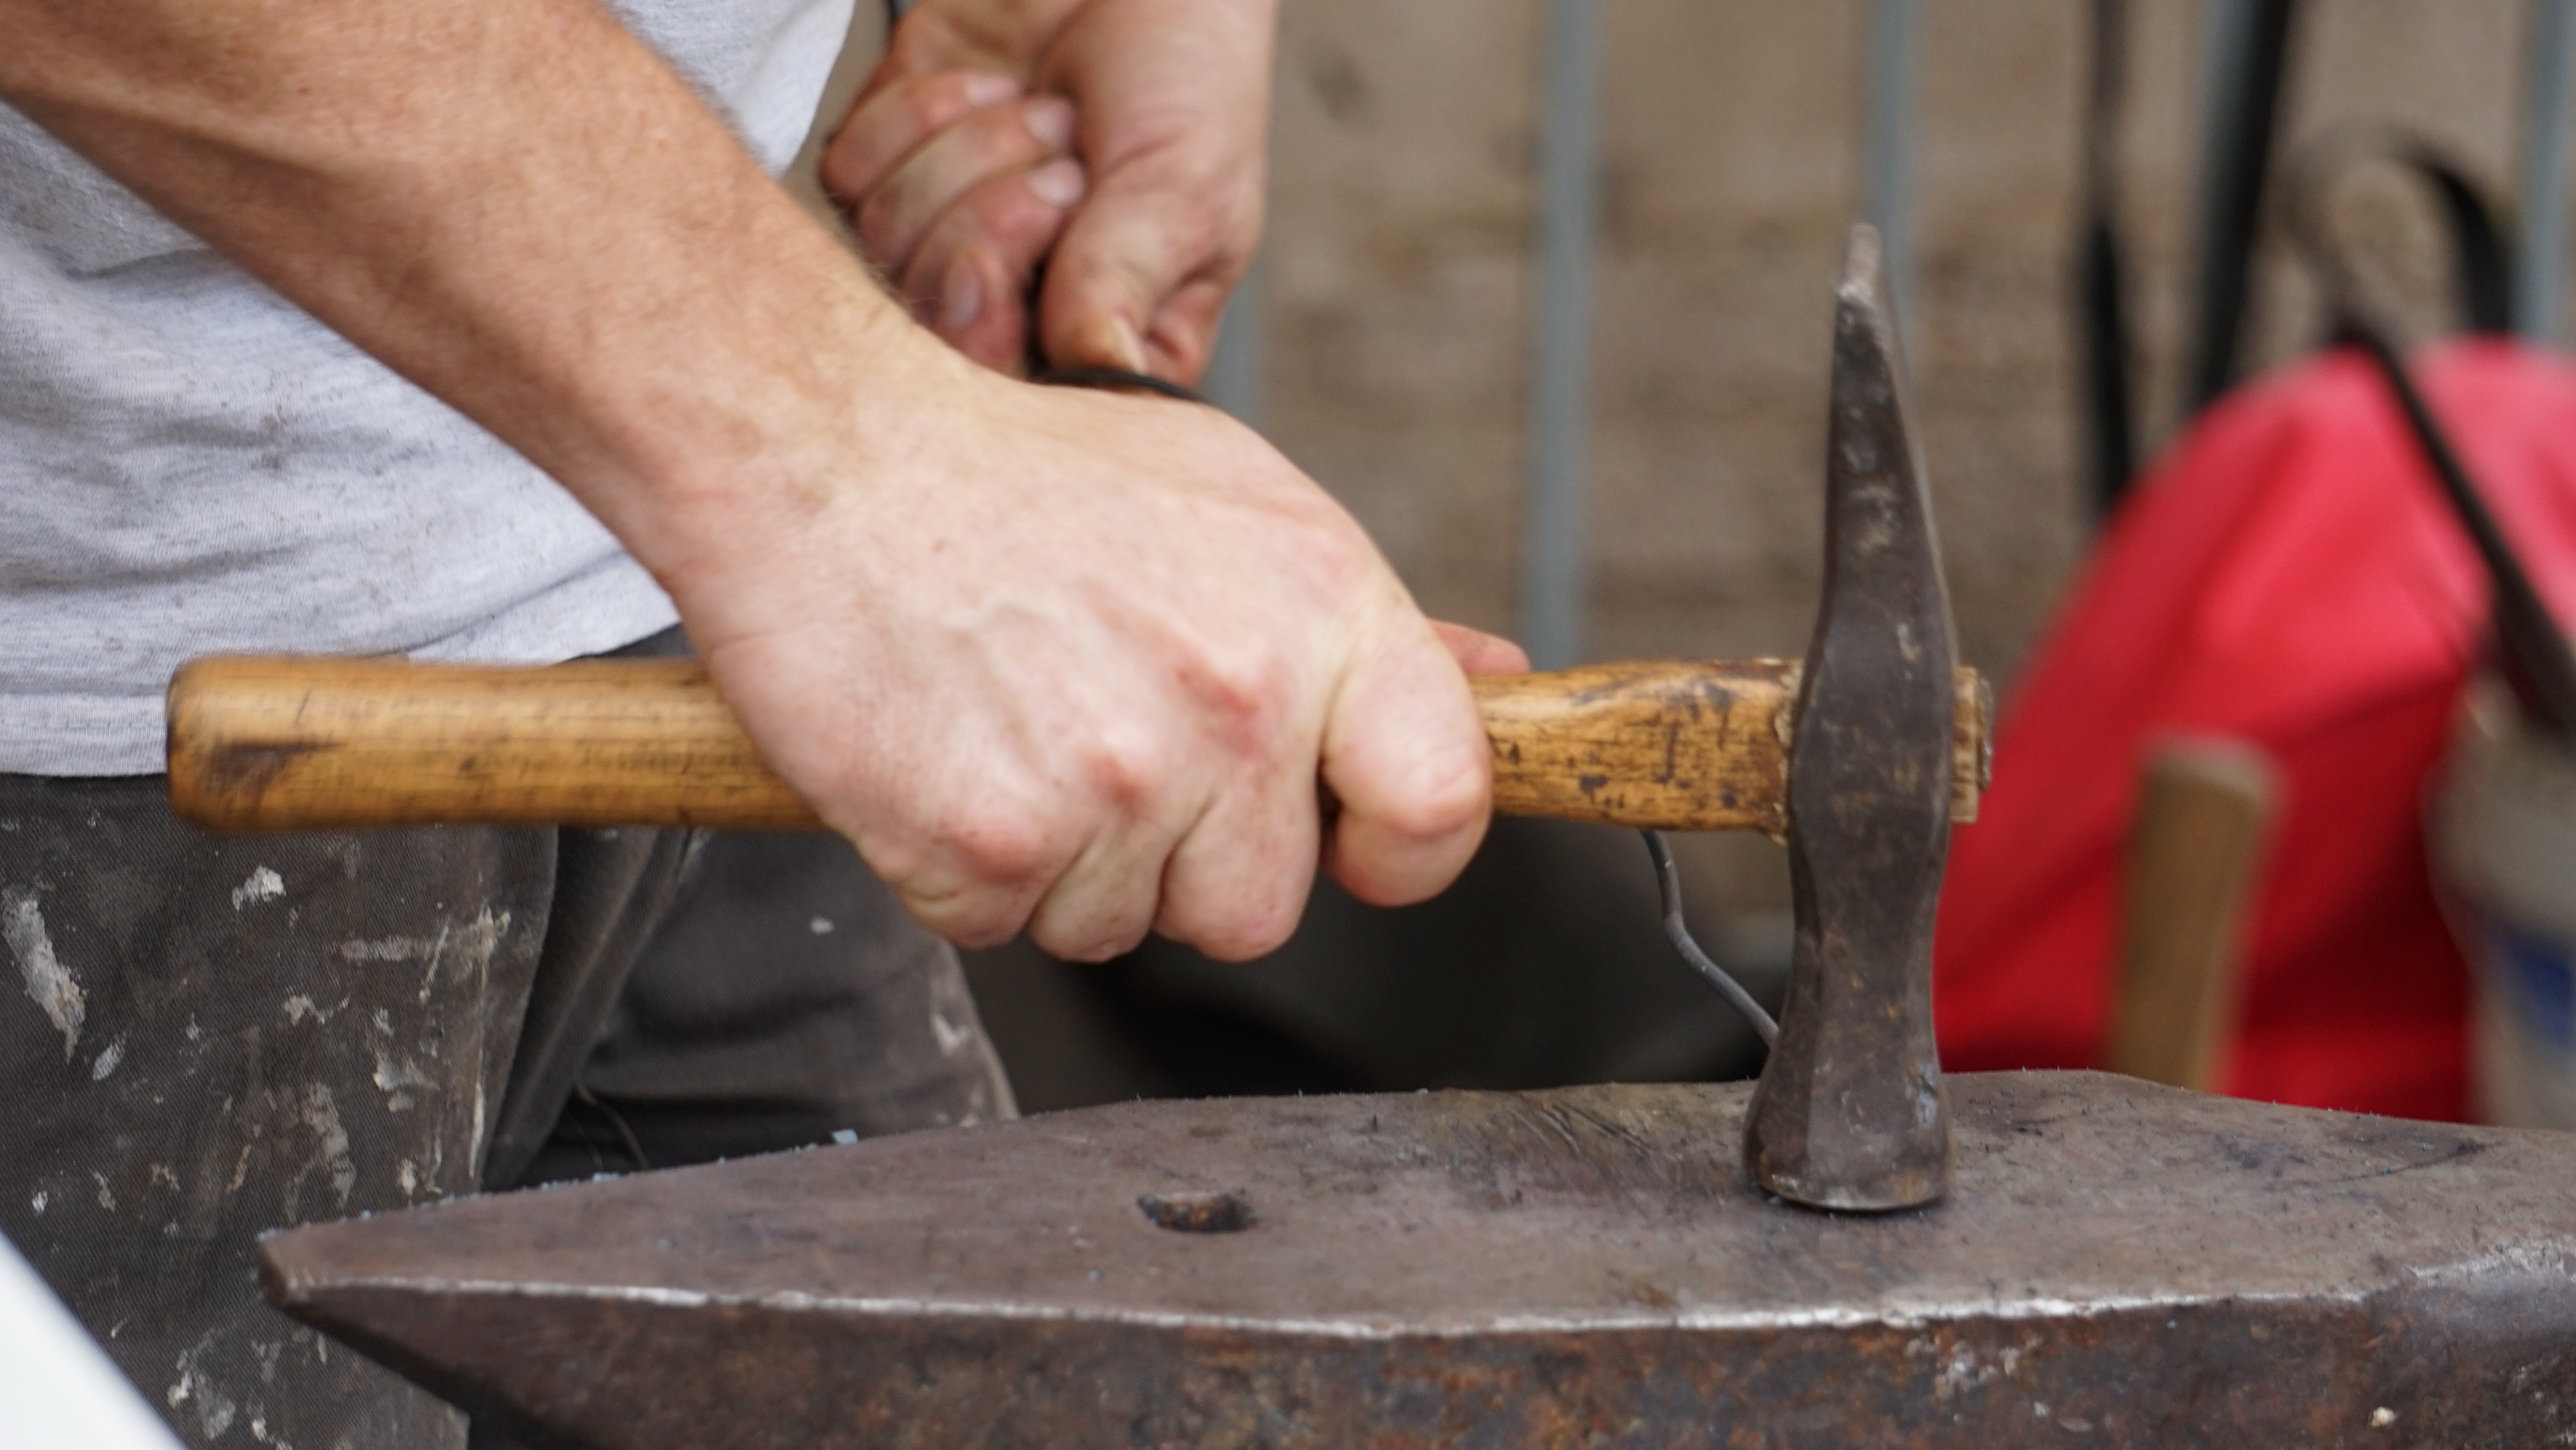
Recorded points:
1399,269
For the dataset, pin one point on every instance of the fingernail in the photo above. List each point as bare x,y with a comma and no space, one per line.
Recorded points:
1130,348
1050,119
961,293
1058,183
990,90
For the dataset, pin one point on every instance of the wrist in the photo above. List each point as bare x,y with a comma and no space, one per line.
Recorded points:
826,412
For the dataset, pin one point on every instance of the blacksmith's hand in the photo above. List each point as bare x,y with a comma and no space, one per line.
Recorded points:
1075,660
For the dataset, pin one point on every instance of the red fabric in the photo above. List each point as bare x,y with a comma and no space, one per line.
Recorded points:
2288,574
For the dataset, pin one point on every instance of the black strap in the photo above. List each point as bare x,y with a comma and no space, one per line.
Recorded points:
1115,380
2479,248
2101,313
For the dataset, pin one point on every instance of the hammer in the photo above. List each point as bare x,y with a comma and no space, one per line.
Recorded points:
1861,755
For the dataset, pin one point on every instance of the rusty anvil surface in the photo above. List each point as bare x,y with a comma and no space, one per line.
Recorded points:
2116,1264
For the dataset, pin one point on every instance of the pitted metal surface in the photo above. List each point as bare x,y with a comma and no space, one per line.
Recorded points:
2116,1262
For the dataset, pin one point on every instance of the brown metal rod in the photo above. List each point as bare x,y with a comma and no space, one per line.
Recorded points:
265,743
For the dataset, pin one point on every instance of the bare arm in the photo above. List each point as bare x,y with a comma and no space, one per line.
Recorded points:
1064,660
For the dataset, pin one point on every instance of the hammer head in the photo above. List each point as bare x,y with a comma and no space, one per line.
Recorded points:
1849,1113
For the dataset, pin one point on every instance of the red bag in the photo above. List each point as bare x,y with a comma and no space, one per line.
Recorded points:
2288,574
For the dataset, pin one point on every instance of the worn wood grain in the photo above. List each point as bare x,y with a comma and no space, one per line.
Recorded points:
285,743
1670,744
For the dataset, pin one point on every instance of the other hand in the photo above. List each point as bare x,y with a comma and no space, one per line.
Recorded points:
1113,148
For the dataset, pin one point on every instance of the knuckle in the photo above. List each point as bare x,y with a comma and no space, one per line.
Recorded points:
1002,844
842,171
878,220
1124,771
978,144
1245,695
1014,216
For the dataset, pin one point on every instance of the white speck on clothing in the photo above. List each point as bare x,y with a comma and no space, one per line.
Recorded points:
106,1196
107,1061
396,1080
330,1151
51,983
299,1007
476,940
820,926
214,1410
263,885
389,949
38,1204
952,1038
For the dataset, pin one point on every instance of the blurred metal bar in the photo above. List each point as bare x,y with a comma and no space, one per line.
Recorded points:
2540,253
1552,592
2244,54
1887,138
1238,373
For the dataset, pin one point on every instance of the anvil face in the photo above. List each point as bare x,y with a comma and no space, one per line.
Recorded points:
2116,1263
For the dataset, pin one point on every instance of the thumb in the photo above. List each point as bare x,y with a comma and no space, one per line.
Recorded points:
1479,653
1138,282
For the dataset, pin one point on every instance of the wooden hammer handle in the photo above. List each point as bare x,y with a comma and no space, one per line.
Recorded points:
264,743
2195,855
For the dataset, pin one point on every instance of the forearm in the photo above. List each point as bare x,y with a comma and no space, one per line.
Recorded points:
1049,658
517,206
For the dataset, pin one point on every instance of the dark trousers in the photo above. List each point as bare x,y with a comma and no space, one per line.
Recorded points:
203,1038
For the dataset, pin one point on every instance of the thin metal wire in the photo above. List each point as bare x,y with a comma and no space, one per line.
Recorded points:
625,1134
1669,877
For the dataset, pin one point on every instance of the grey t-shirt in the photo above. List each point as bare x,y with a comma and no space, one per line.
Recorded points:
190,464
